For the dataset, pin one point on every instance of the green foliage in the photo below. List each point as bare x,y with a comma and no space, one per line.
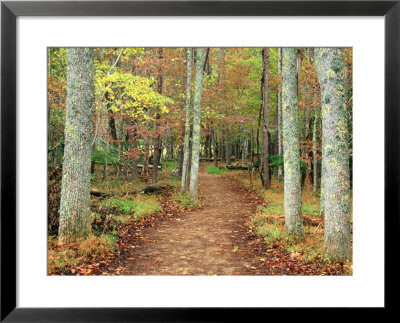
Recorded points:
143,209
272,233
111,239
277,161
140,206
312,209
170,165
215,170
275,207
105,154
125,205
185,200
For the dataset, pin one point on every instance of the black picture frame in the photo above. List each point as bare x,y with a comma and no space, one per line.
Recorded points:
10,10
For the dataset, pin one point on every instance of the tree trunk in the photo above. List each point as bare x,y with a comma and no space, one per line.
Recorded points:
280,152
131,138
244,152
222,144
146,155
214,143
180,154
206,146
157,139
227,148
185,166
315,152
292,184
194,170
266,171
335,154
210,153
276,139
170,147
75,187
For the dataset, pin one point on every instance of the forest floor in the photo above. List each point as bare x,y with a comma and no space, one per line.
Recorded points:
213,239
234,230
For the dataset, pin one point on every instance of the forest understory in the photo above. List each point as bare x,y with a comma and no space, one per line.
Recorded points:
234,229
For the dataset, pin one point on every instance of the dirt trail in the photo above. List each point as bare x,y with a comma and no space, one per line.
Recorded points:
212,240
206,241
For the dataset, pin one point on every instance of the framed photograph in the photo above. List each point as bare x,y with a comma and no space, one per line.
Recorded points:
187,160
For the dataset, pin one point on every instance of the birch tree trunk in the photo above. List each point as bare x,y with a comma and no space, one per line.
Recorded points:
185,164
194,170
75,187
335,158
292,178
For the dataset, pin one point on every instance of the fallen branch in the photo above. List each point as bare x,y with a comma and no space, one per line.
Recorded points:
237,167
150,166
151,188
310,220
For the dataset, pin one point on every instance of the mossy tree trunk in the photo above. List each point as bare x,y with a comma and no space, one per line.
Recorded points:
194,170
185,163
335,153
315,152
291,153
315,129
75,187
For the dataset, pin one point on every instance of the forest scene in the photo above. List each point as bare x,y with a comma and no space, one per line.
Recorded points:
200,161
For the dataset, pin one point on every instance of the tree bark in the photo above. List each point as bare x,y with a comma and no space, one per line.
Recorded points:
75,188
194,170
266,170
292,178
315,151
227,148
214,143
157,139
146,155
280,171
131,138
185,165
335,154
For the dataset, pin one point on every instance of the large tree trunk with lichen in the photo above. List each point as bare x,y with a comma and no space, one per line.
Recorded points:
315,131
279,112
291,154
335,154
185,164
266,170
194,170
315,151
75,187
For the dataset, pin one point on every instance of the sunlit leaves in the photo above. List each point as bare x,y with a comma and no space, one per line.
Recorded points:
129,94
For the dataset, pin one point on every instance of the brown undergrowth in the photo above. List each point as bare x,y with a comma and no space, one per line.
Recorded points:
110,217
268,223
